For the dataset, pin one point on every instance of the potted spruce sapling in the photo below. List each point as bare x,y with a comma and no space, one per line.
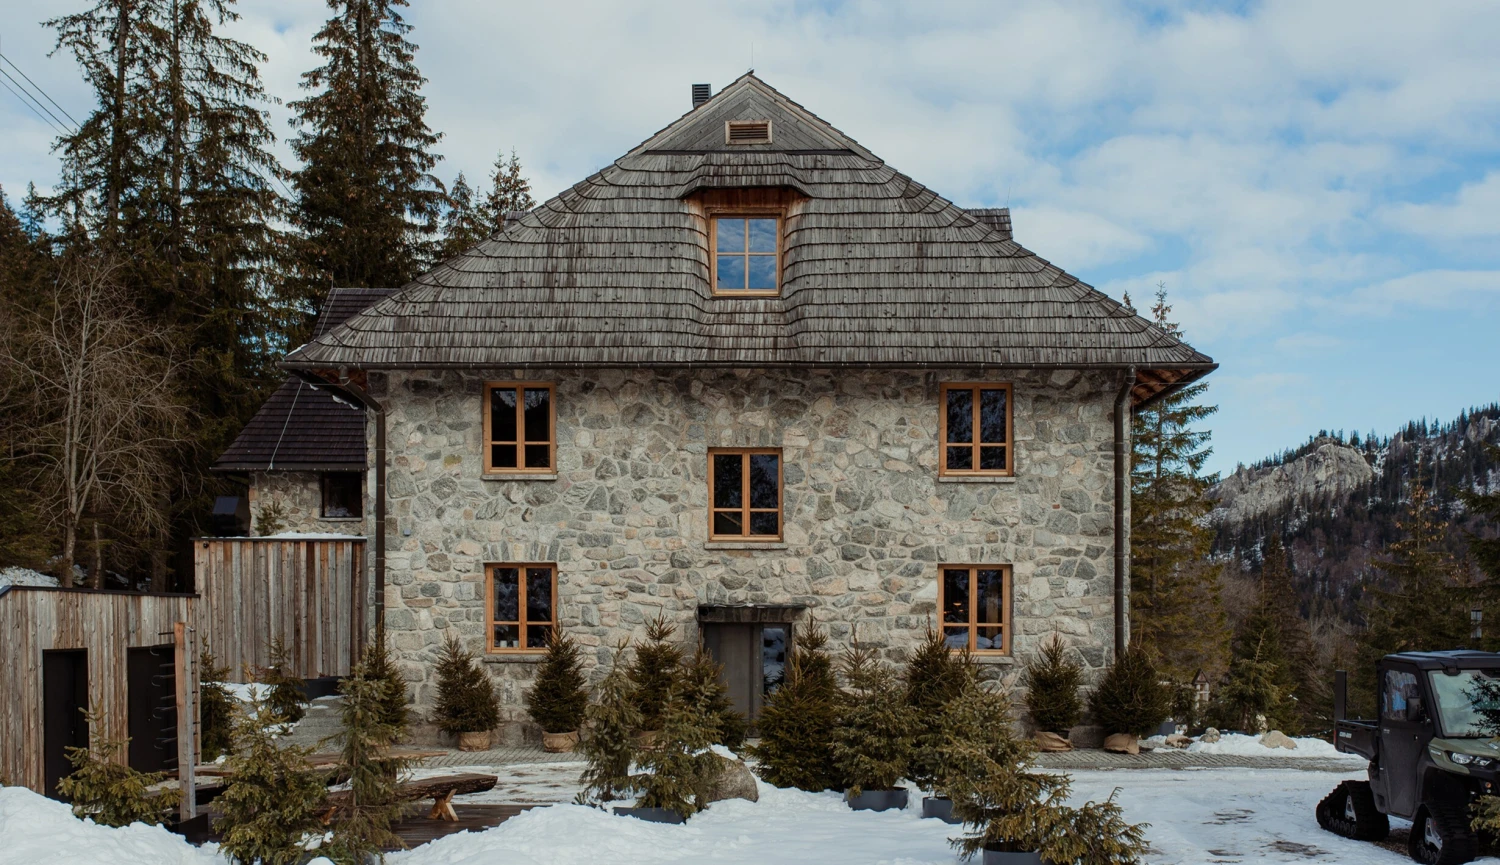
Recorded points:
608,739
559,698
798,720
651,674
935,676
1130,702
466,701
876,733
679,767
1051,681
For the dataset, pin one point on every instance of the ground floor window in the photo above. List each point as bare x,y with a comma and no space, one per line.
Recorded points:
975,604
522,600
342,494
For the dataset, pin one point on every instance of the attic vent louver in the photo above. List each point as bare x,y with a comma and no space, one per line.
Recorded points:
702,93
747,132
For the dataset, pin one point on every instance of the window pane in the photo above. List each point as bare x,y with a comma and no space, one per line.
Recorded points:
960,416
992,459
507,636
992,415
772,658
538,414
765,523
762,235
341,494
991,638
956,638
731,272
538,457
538,594
764,480
991,591
537,636
728,523
960,458
728,478
503,456
507,595
955,595
763,272
730,234
503,414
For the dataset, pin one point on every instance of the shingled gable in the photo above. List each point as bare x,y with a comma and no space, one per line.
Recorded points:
299,428
877,271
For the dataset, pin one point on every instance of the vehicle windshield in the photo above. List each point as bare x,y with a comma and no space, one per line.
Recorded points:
1468,703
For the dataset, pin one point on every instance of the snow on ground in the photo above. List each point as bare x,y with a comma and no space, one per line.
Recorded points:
1241,745
518,784
244,692
25,577
1196,816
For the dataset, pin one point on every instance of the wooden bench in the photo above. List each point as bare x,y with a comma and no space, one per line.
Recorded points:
440,790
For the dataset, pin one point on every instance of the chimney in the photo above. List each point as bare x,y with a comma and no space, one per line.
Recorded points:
701,93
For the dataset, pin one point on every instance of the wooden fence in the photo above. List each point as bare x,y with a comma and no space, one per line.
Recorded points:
307,592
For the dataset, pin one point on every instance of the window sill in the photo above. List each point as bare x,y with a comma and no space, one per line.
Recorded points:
976,479
993,659
532,657
341,519
745,545
519,476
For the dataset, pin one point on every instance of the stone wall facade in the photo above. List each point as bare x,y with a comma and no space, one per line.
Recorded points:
300,496
867,519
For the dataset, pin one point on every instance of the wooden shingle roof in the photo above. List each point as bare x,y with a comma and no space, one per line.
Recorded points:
299,428
877,270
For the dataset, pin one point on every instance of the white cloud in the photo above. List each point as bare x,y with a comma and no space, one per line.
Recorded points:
1472,213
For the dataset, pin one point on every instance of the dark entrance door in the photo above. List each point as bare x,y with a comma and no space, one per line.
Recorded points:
65,697
152,708
754,657
1405,729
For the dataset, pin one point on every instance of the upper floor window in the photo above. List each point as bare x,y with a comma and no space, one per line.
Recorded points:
520,427
342,494
975,429
975,605
747,254
744,486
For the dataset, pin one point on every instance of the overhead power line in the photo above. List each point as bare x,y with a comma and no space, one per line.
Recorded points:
29,101
39,89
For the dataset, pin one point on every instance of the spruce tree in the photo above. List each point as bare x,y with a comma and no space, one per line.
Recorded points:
390,688
464,224
559,697
466,700
1131,698
25,264
702,683
679,765
608,739
106,790
876,735
1253,689
362,821
367,202
215,709
1174,597
1052,680
798,721
934,676
653,671
287,690
1272,666
270,807
509,192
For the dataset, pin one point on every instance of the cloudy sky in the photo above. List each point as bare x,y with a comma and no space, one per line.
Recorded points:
1316,183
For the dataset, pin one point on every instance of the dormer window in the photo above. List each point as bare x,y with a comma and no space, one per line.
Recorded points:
747,254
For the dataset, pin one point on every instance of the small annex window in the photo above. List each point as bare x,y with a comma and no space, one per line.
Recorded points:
975,429
342,495
520,427
975,605
522,603
747,254
744,488
747,132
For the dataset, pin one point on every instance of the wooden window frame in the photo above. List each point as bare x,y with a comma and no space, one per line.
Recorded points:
714,214
1010,429
521,441
744,509
521,622
359,497
1007,623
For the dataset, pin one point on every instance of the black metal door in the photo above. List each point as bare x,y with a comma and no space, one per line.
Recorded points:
754,659
1405,729
152,708
65,697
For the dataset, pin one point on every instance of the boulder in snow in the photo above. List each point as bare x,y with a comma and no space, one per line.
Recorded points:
1278,739
1210,736
735,781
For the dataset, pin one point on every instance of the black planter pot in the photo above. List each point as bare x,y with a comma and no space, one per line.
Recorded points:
939,808
1003,857
652,815
877,800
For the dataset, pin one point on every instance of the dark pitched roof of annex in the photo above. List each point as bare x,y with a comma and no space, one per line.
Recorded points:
877,270
299,428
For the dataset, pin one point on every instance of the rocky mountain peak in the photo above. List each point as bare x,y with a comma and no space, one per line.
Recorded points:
1328,469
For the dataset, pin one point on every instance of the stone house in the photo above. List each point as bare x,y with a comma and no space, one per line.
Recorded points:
748,377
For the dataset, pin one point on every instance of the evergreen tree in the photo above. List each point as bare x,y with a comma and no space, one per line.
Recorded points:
466,700
367,202
215,708
25,264
971,728
464,225
653,671
559,698
934,676
702,683
104,789
1052,680
1485,550
390,688
288,691
1253,688
270,807
509,192
1174,600
362,821
1131,698
798,721
1273,665
679,765
608,739
876,735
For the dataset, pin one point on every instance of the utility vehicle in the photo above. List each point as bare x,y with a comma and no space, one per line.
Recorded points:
1432,752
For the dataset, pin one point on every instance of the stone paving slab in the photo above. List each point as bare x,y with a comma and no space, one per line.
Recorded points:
1174,759
502,756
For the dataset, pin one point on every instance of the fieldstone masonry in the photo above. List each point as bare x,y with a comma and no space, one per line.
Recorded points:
300,496
867,520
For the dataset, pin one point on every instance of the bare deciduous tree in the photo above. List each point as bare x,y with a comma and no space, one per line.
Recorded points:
101,388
